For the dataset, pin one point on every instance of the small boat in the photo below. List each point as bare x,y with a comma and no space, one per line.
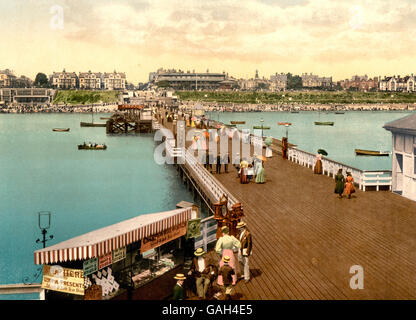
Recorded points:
260,127
60,129
237,122
323,123
284,123
104,118
92,147
339,112
361,152
91,124
294,111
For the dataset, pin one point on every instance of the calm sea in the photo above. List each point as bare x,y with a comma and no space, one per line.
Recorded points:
351,130
41,170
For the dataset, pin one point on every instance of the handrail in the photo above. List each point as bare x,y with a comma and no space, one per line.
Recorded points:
360,177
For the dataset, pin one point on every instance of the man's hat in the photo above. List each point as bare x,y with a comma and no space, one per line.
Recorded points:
225,229
179,276
241,224
226,259
199,252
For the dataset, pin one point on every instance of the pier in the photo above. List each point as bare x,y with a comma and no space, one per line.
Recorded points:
130,119
306,241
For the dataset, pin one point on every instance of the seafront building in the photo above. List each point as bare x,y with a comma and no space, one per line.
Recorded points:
314,81
360,83
404,155
90,80
397,83
278,82
114,80
64,80
27,96
182,80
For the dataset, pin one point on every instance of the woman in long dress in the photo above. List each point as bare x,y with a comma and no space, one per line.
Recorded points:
260,173
243,172
349,185
339,183
318,164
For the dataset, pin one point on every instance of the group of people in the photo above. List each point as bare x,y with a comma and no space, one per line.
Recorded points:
218,162
205,272
251,171
344,186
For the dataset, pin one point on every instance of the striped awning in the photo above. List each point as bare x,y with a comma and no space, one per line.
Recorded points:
102,241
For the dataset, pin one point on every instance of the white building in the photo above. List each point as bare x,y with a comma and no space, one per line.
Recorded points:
404,155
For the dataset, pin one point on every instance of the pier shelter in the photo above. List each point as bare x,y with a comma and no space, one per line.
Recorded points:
136,257
404,155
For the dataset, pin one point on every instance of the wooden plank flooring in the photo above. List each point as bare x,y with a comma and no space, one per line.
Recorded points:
305,239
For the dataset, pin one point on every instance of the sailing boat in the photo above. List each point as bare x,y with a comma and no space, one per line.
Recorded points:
92,124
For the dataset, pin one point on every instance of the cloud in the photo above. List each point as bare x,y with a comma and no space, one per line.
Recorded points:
279,33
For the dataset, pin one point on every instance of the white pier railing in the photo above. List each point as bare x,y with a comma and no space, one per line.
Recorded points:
330,167
208,233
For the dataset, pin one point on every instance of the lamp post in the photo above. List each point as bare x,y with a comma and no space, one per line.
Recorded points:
44,226
287,130
262,121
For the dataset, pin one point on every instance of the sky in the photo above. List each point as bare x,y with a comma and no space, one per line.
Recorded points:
330,38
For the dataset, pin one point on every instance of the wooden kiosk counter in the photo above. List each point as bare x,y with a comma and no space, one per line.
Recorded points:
135,258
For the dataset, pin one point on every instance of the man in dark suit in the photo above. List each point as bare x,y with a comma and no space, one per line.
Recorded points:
203,271
178,290
245,250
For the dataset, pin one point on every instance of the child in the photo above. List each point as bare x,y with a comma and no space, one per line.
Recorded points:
227,277
250,172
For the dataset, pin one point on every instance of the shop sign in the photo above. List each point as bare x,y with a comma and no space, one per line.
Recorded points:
105,260
163,237
62,279
119,254
90,266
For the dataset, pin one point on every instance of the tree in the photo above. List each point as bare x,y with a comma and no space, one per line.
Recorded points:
41,80
294,82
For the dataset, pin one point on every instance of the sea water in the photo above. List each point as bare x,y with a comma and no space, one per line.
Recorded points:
351,130
42,170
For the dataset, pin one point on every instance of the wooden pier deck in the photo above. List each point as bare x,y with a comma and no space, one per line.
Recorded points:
305,239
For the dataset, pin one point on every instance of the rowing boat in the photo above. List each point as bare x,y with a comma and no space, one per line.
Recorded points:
327,123
260,127
361,152
60,129
237,122
284,123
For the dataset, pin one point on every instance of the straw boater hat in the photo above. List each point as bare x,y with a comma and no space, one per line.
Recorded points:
241,224
179,276
225,229
199,252
226,259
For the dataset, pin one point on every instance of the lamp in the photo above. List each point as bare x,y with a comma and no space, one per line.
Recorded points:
44,223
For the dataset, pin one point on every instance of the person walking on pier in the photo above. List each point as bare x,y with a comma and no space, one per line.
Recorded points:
339,183
245,251
224,247
260,173
349,185
218,166
318,164
226,162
